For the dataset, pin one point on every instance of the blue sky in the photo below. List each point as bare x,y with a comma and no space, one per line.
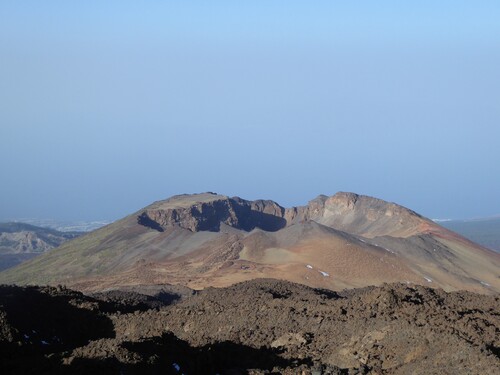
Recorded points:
108,106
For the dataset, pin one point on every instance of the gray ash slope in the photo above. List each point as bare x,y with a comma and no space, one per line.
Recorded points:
255,327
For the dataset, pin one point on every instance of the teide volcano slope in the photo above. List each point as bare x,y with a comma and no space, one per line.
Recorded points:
201,240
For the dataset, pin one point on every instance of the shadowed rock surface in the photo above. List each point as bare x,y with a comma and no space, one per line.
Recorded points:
256,327
210,211
349,212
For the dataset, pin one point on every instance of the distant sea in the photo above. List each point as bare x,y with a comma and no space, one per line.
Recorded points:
484,231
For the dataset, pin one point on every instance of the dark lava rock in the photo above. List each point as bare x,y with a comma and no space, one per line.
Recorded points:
255,327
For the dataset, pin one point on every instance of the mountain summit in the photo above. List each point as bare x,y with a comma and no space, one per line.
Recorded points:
199,240
353,213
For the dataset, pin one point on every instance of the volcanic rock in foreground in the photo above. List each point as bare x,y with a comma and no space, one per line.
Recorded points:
200,240
255,327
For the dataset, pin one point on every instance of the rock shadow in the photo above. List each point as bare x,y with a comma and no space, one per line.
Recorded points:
144,220
39,321
128,302
169,355
249,219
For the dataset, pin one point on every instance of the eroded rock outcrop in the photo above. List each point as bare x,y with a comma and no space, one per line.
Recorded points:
359,214
349,212
208,211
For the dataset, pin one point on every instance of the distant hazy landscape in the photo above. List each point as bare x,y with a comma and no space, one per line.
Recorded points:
61,225
483,231
20,242
25,239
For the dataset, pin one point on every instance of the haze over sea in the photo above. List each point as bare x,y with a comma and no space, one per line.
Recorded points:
108,106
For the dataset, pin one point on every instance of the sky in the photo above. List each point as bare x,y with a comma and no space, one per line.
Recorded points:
107,106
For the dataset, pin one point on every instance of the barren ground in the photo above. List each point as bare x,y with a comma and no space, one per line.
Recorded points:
255,327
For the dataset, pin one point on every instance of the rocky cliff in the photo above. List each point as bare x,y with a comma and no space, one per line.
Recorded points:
208,211
349,212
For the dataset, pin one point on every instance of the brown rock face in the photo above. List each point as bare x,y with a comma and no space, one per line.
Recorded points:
343,211
198,217
208,215
361,215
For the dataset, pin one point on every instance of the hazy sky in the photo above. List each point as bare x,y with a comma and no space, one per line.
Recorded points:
106,106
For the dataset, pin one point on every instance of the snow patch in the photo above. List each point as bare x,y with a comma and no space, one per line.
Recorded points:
176,366
309,266
44,342
385,248
429,280
485,284
324,274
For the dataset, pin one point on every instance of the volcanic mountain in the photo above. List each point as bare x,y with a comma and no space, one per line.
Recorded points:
200,240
